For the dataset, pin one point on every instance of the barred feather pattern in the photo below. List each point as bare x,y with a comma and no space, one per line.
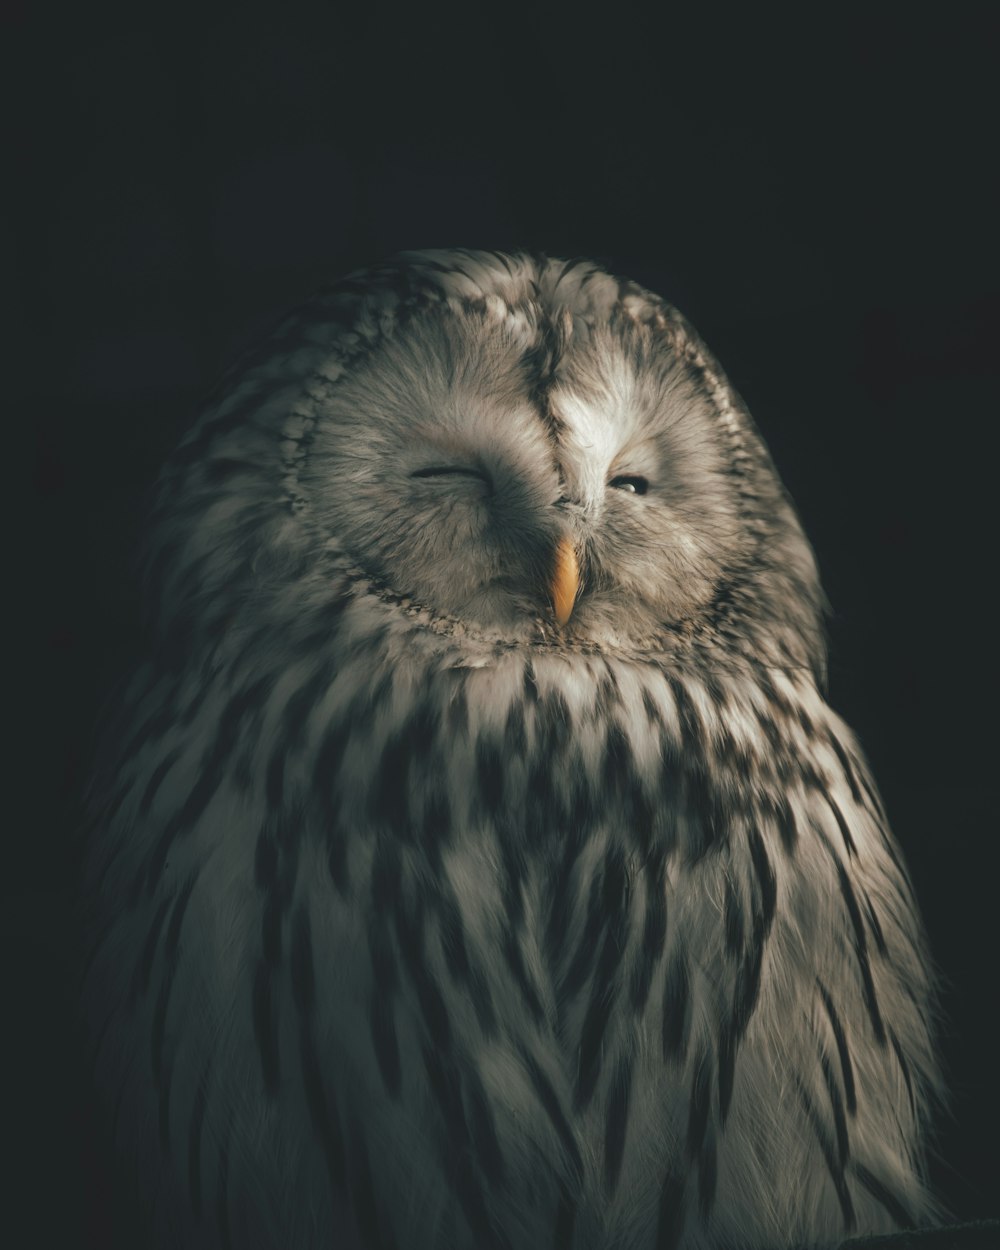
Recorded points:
409,931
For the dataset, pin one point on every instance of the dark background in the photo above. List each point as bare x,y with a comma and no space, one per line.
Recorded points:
813,190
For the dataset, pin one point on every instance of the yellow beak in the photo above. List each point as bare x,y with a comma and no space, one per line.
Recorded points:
565,581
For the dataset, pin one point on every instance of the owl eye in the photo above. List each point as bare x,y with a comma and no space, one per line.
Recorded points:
631,485
453,470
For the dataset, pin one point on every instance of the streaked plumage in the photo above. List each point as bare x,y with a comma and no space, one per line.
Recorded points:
423,920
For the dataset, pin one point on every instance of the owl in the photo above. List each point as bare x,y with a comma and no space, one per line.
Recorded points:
474,860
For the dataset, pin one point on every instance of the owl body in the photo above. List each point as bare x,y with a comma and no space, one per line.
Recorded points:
428,915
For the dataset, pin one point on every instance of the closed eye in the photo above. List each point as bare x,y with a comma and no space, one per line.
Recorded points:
631,485
453,470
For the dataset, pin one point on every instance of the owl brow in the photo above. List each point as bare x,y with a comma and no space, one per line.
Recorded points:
540,362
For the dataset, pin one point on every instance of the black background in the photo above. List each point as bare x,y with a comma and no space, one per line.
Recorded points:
813,189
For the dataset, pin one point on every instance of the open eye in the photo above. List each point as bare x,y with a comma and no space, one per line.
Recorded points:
631,485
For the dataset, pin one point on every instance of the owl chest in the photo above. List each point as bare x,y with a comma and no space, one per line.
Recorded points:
508,850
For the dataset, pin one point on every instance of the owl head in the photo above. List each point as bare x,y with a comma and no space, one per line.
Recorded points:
530,450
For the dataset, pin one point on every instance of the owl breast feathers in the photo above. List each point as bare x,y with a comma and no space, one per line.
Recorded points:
474,861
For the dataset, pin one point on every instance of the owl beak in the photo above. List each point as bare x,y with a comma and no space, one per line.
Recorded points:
565,581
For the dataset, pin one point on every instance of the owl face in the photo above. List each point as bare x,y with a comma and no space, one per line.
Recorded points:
533,457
